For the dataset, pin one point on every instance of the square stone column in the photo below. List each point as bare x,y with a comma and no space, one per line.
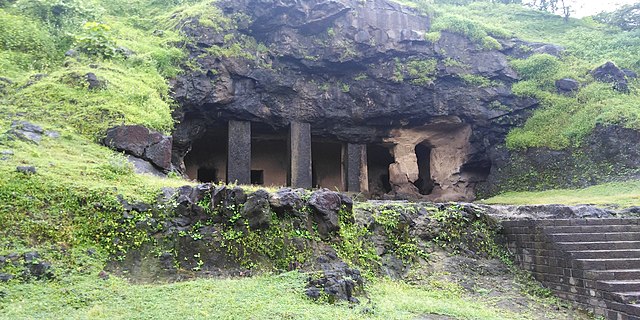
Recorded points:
300,155
355,167
239,152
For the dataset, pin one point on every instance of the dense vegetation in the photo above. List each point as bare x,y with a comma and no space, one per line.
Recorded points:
561,121
47,49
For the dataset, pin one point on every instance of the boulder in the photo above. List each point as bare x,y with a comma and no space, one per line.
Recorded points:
93,82
326,204
142,143
552,49
610,73
26,169
130,139
256,210
336,282
5,277
39,270
160,153
287,201
567,85
25,131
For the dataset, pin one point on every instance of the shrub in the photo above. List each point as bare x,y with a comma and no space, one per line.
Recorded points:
96,40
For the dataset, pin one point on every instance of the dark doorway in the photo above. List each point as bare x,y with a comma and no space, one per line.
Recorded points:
378,160
257,177
207,175
207,159
269,161
424,182
327,165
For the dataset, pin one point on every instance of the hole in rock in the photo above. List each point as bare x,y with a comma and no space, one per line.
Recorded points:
425,182
379,157
327,165
207,159
207,175
269,155
257,177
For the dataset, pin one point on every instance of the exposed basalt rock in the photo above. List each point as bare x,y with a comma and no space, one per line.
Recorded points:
567,85
609,153
287,201
26,170
256,210
335,282
609,72
25,131
346,67
143,143
551,211
93,82
326,205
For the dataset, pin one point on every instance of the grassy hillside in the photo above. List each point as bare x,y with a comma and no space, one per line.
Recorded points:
71,205
561,121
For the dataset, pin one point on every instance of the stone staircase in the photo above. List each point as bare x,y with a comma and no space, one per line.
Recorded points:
592,262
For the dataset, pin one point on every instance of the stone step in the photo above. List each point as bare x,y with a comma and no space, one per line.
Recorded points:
632,311
629,297
598,245
619,285
586,222
605,254
620,274
576,237
606,228
608,264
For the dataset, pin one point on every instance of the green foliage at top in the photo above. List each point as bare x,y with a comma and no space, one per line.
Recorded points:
476,31
624,194
626,18
583,38
95,39
562,120
25,45
133,54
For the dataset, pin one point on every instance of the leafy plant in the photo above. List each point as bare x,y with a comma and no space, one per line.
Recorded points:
96,40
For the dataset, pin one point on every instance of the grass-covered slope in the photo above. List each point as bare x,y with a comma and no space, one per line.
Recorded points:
561,121
618,194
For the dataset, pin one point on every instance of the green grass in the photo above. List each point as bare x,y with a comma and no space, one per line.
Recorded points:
262,297
622,194
561,121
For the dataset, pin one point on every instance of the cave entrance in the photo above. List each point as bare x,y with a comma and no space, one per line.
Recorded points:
269,160
327,165
207,175
207,159
425,182
379,157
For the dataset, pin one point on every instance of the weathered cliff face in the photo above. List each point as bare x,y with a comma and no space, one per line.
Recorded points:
359,72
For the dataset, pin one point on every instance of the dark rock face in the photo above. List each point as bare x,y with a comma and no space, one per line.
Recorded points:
609,153
326,204
609,72
26,169
337,282
140,142
552,211
567,85
287,201
346,67
25,131
257,211
93,82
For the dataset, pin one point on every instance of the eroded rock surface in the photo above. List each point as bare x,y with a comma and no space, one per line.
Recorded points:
142,143
359,72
